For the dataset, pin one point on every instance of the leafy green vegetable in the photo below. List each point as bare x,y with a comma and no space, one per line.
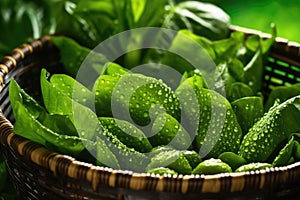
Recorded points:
167,131
171,159
20,22
239,90
232,159
73,89
162,171
272,129
182,45
253,167
228,48
254,72
282,93
129,95
79,113
296,151
285,154
134,112
193,158
212,166
103,89
204,19
114,69
72,55
105,156
213,128
29,123
127,133
248,110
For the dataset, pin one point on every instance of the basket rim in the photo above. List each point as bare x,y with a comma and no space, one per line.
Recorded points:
69,166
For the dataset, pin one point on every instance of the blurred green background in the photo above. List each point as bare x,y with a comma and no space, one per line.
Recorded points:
259,14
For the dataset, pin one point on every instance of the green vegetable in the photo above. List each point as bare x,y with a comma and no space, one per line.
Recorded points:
193,158
248,110
228,48
232,159
238,90
272,129
253,167
29,123
105,156
204,19
73,89
103,89
282,93
213,128
181,45
212,166
171,159
254,57
127,133
21,21
296,151
143,98
114,69
134,112
162,171
167,131
72,56
79,114
284,154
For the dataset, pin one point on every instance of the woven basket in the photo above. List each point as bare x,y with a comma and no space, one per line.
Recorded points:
39,173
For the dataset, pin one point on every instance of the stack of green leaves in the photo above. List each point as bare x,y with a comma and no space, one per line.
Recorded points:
250,138
253,135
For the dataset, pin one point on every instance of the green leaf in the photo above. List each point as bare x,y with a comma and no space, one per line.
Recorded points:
228,48
103,89
72,56
60,124
254,72
114,69
284,154
166,130
266,44
172,159
282,93
128,134
77,19
253,167
248,110
232,159
88,126
105,156
193,157
217,127
239,90
20,21
138,13
162,171
139,99
275,127
28,114
203,19
227,74
187,44
212,166
296,151
58,102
